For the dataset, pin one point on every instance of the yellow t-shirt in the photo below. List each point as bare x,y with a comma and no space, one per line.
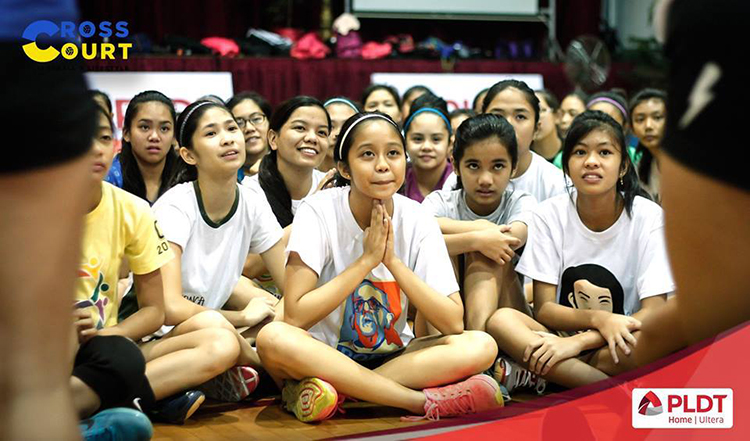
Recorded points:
120,226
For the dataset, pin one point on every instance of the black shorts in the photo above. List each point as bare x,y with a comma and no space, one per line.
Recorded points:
708,93
114,368
47,110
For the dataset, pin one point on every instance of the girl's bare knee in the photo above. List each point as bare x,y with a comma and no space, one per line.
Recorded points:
276,342
212,319
219,348
478,348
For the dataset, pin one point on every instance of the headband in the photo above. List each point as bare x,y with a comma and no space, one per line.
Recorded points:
187,117
604,99
364,117
341,101
429,109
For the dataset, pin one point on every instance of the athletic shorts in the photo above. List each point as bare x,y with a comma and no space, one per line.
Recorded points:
708,93
114,368
46,107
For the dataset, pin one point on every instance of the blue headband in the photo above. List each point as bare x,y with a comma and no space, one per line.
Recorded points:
341,101
428,109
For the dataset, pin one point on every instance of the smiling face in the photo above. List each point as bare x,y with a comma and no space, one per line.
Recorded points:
151,132
427,141
485,171
339,113
586,295
570,107
376,161
102,148
255,131
218,146
302,142
648,123
512,105
595,163
382,101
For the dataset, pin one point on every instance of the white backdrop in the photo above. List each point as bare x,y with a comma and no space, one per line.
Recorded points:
458,90
182,87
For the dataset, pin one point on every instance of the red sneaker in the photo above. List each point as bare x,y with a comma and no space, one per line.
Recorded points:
476,394
233,385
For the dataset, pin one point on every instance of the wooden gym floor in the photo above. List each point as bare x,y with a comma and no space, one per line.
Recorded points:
266,420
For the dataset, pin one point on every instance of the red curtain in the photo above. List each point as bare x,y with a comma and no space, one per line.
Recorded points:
280,78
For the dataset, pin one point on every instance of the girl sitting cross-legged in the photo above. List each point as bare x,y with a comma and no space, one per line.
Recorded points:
357,256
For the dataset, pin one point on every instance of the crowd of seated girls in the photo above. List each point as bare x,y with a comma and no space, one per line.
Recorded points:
235,240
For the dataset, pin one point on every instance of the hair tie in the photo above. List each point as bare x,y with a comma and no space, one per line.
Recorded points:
364,117
341,101
429,109
187,117
604,99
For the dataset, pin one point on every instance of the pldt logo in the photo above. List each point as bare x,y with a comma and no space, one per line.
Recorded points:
685,408
650,405
68,30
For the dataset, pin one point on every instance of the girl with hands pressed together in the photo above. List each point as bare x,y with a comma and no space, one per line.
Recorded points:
484,220
598,261
357,256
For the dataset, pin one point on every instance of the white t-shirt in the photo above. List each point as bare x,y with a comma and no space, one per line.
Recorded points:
632,251
450,182
317,176
542,179
213,254
371,322
514,206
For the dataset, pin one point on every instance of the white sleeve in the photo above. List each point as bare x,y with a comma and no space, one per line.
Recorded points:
436,205
265,231
521,207
541,258
175,223
433,264
654,275
309,239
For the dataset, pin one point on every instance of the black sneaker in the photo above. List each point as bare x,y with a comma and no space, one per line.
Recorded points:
177,408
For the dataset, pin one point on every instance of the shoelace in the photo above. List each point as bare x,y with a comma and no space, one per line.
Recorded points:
525,378
445,405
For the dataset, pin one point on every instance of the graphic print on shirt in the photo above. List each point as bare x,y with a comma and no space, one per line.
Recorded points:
591,286
98,298
368,328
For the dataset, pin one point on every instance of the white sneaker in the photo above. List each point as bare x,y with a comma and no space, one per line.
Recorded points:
512,376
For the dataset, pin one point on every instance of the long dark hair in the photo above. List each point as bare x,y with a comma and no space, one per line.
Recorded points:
644,166
269,177
583,124
132,179
479,128
187,124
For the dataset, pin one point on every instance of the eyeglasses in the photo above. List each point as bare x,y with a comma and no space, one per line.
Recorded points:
255,119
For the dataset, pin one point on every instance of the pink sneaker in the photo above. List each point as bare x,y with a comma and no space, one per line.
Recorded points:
476,394
232,386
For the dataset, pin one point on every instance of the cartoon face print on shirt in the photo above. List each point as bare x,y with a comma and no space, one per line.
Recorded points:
370,315
590,286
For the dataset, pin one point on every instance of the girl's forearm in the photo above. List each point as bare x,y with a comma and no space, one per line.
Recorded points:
307,309
460,243
563,318
145,321
441,311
